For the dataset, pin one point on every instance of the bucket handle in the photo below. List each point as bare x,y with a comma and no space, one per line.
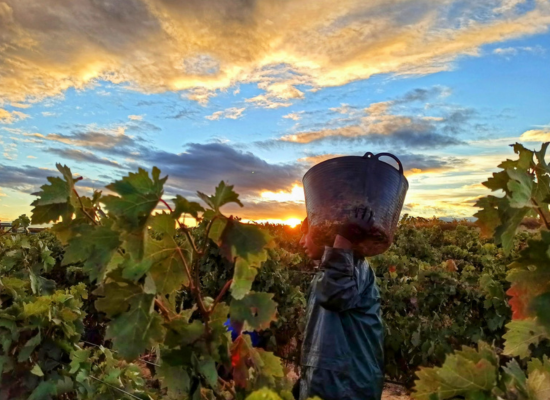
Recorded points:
368,154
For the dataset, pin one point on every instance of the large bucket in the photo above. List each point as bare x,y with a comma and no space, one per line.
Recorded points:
335,188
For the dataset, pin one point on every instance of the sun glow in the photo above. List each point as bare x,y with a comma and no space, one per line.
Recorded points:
291,222
296,194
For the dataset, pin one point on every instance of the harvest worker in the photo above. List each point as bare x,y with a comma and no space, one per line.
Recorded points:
342,352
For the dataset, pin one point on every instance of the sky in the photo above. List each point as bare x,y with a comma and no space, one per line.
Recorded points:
256,92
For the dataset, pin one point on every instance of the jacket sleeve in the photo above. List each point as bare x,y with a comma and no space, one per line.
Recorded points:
338,289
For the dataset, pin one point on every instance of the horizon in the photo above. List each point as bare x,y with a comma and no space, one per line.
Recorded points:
255,93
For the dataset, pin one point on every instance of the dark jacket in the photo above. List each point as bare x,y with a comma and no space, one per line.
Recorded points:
342,353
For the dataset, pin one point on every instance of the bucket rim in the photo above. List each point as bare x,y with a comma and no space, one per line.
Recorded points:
361,157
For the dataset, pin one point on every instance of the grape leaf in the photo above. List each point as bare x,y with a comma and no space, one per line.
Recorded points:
44,391
541,155
207,367
240,355
175,379
271,364
94,246
138,197
538,385
510,219
541,307
257,309
168,269
488,218
117,297
515,376
499,181
224,194
137,329
243,278
55,200
263,394
184,206
525,156
520,335
29,347
458,376
181,333
247,243
521,188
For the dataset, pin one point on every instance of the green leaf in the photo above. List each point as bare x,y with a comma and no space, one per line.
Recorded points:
54,201
271,364
138,196
117,297
136,330
94,246
29,347
541,155
175,379
44,391
515,376
168,269
243,278
521,188
224,195
181,333
541,307
247,243
36,370
499,181
525,156
521,334
510,219
207,367
183,206
257,309
263,394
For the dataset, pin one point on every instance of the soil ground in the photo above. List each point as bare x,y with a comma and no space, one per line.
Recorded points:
395,392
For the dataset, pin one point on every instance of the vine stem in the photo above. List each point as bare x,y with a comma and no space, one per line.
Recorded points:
82,207
541,213
220,295
163,309
183,227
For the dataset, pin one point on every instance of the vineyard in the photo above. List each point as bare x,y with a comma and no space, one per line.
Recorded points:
120,300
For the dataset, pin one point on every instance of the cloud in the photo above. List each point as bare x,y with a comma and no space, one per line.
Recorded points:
203,166
7,117
185,113
380,123
230,113
294,116
536,135
84,156
48,114
514,51
24,178
98,139
203,47
135,117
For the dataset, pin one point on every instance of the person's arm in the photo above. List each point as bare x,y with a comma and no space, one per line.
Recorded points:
338,289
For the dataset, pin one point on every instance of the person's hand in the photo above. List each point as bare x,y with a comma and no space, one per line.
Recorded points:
357,228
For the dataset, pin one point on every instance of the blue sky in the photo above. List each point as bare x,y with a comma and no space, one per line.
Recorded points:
255,93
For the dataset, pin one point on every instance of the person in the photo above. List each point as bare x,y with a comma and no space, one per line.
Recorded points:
342,352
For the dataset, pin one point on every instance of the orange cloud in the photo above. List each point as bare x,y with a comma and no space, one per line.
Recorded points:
204,46
7,117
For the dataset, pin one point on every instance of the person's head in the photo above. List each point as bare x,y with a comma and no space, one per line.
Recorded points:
313,251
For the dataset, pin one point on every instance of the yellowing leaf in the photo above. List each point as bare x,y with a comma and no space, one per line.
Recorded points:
521,334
